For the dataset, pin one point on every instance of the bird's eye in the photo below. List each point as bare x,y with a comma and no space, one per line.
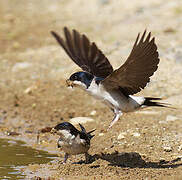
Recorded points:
74,77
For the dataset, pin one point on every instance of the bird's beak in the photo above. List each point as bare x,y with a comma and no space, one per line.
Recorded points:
69,83
53,131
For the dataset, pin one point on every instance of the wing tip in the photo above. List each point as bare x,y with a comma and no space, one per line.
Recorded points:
57,37
149,38
65,29
53,33
72,40
73,31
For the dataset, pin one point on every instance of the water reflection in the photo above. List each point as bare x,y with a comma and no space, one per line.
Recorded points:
14,154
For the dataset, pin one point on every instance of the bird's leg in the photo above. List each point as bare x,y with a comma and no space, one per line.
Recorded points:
117,115
87,158
65,158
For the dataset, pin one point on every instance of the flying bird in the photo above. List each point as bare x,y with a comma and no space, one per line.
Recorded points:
72,141
115,88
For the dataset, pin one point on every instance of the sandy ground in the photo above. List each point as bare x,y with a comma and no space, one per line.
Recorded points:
142,145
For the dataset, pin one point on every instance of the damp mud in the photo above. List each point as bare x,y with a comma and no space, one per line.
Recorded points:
146,144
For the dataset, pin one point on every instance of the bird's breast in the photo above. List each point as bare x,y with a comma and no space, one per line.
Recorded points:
74,146
113,98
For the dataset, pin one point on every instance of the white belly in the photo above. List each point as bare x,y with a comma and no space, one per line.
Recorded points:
114,99
74,146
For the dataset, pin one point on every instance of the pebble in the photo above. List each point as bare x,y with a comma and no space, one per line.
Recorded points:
34,105
92,113
20,66
180,147
147,112
167,148
136,134
30,89
81,120
171,118
162,122
121,136
101,134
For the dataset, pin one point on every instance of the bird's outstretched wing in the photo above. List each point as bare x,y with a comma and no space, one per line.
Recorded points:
135,73
84,54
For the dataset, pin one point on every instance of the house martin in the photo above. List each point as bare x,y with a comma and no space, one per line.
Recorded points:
72,141
114,88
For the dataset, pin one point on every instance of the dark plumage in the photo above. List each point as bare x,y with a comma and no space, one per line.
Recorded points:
114,87
135,73
84,54
83,77
72,141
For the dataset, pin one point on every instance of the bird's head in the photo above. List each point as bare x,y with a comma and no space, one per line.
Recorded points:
65,130
80,79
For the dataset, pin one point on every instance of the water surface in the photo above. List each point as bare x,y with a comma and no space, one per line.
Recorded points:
14,154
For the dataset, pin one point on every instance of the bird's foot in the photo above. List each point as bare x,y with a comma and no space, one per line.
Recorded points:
65,158
116,118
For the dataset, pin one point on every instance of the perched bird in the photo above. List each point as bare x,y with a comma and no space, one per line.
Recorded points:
73,141
113,87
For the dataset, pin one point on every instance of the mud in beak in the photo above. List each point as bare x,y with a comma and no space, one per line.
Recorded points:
69,83
53,131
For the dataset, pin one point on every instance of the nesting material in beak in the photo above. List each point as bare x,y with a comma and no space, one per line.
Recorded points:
53,131
69,83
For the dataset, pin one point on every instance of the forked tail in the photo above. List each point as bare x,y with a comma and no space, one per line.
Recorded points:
150,101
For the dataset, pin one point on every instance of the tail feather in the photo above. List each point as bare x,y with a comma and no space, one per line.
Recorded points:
150,101
153,98
87,133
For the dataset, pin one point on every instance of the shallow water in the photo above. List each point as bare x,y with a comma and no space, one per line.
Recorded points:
14,155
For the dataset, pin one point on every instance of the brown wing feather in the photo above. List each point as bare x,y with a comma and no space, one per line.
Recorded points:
135,73
84,54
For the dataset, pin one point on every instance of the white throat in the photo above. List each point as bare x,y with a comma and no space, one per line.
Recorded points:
79,84
66,135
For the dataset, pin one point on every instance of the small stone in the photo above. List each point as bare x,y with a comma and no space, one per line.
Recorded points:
92,113
81,120
180,147
101,134
30,89
121,136
162,122
147,112
136,134
34,105
167,148
20,66
171,118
